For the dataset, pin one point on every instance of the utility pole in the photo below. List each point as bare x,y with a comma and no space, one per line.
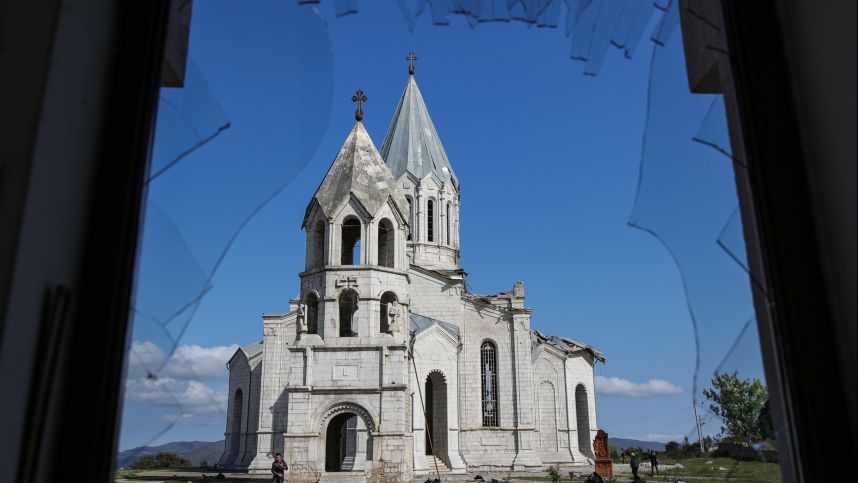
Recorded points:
699,432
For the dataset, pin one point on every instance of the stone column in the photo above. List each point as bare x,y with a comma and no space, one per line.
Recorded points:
270,438
528,446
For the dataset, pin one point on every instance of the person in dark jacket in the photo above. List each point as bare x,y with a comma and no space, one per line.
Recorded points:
653,461
278,468
635,463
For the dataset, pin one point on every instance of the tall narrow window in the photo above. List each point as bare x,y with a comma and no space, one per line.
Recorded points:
384,320
430,220
410,216
235,430
312,313
351,242
318,245
348,307
582,413
449,223
386,243
488,370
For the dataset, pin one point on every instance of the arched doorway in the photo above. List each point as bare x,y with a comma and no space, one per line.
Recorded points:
582,412
341,442
435,400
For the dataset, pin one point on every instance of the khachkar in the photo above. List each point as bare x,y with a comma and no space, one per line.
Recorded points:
604,465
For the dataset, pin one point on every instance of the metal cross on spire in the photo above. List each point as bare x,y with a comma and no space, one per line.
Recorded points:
360,98
411,58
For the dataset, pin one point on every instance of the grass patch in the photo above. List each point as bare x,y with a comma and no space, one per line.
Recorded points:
736,470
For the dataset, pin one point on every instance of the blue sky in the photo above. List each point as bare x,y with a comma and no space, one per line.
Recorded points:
549,162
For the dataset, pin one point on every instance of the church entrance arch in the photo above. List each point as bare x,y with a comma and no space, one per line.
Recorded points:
341,442
436,416
345,438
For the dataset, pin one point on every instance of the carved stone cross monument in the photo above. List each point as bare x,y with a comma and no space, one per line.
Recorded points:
604,465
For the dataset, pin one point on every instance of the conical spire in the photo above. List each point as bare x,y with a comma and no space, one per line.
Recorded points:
412,144
359,170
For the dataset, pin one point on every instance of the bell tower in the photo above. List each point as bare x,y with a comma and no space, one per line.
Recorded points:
417,160
355,282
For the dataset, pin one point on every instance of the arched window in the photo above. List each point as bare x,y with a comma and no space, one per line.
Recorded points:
489,377
410,216
582,413
312,313
386,298
386,243
317,245
348,307
449,223
235,429
430,220
351,242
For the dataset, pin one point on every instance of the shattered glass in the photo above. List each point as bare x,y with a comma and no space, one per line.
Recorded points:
193,214
685,137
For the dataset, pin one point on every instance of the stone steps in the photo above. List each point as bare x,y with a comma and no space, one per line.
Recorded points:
343,477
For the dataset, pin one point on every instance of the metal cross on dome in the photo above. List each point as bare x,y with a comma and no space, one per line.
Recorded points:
411,58
360,98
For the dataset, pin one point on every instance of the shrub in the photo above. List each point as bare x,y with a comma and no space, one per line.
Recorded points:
160,461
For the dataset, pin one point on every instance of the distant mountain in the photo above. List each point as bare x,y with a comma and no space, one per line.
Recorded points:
623,443
199,451
196,451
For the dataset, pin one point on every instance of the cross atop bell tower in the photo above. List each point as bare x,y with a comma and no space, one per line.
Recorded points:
411,58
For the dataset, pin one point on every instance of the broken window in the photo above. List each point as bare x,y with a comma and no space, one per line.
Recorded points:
386,243
386,299
488,366
312,313
348,307
351,242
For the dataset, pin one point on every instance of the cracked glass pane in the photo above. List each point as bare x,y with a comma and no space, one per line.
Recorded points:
227,144
237,141
189,117
713,129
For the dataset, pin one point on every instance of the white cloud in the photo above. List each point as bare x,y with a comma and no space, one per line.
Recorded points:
188,362
615,386
191,397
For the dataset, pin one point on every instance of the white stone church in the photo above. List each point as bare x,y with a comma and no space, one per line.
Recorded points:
385,357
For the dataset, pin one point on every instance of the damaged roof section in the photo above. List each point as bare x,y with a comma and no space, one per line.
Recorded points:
566,344
358,170
513,299
412,143
419,323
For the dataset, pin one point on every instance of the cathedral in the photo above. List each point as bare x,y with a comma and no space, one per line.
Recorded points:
385,358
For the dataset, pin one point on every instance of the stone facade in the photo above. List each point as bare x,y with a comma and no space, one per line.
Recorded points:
384,360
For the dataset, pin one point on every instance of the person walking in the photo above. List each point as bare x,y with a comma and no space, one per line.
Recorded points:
635,463
653,462
278,468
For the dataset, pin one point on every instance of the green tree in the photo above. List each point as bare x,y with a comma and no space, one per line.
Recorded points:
160,461
738,402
